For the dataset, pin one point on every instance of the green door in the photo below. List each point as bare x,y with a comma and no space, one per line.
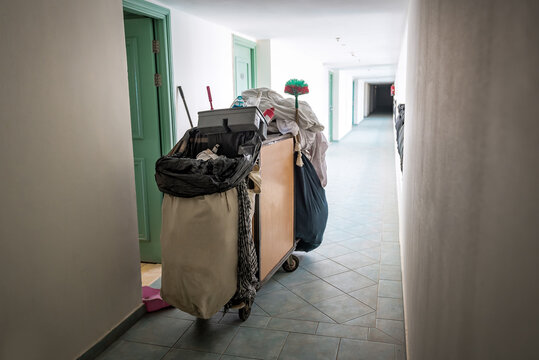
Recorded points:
330,117
144,106
244,67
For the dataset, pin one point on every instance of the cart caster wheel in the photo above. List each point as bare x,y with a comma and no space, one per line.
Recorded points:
245,311
291,264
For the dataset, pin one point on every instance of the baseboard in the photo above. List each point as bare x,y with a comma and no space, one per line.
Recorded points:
114,334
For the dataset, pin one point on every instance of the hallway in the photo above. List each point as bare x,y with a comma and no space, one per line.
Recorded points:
468,200
345,300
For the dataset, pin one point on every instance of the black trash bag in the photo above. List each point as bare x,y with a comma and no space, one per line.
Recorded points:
400,143
311,207
180,174
400,118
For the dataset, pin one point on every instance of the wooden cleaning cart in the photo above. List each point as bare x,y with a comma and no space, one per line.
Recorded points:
273,223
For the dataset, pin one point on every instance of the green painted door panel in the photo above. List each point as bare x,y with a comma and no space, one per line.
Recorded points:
242,68
145,132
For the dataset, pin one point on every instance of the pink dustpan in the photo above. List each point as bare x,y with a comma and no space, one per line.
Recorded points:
152,299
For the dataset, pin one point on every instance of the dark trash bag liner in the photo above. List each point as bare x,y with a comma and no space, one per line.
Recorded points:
399,121
180,174
311,213
400,143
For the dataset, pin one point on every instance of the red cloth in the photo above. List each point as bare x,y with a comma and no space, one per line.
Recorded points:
268,114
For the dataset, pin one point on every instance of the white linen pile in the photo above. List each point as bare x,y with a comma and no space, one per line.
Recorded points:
313,142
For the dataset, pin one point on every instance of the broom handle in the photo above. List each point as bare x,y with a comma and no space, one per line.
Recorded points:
209,97
297,120
185,104
297,147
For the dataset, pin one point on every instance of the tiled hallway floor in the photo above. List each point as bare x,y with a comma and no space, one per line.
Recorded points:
345,300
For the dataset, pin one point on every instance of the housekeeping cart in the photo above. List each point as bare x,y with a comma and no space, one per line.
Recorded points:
273,220
274,212
206,255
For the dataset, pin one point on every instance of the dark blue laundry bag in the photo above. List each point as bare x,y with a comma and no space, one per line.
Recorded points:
311,207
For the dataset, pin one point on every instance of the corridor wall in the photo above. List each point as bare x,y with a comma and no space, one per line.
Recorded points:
343,120
366,99
287,63
470,234
400,75
263,58
360,99
202,55
68,224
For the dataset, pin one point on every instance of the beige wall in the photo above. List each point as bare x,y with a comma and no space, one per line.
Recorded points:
471,176
69,253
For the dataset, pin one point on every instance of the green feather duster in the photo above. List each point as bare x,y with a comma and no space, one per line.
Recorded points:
296,87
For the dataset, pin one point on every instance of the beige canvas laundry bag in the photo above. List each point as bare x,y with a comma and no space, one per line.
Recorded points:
199,241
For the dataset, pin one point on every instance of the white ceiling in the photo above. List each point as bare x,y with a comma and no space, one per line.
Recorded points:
371,29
